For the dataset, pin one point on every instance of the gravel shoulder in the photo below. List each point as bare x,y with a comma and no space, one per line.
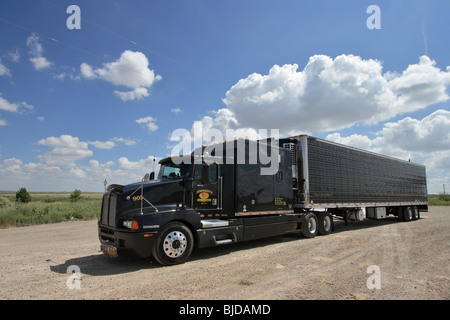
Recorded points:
412,259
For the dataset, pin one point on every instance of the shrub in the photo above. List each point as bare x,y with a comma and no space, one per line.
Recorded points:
75,195
4,202
23,195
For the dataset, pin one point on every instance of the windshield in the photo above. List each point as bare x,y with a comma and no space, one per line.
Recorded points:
174,171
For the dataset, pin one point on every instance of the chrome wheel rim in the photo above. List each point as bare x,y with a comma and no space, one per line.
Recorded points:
175,244
327,223
312,225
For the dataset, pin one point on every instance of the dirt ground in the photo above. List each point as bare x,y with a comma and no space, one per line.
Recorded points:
383,259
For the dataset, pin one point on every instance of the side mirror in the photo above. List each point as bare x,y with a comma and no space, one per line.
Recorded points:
152,175
146,177
205,174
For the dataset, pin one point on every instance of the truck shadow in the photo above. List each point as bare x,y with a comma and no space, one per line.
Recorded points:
99,265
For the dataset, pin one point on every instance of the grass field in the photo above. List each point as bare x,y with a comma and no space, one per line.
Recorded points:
47,207
50,207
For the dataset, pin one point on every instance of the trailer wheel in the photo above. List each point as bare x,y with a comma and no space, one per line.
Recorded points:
325,221
407,214
174,244
309,225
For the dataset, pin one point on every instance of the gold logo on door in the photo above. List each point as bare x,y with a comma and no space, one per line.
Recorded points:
204,195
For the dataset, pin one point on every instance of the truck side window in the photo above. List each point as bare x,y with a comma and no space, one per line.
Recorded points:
198,173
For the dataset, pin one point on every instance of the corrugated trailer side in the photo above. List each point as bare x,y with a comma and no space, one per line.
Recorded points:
331,175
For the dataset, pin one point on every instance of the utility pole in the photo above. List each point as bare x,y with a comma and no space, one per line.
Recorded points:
444,188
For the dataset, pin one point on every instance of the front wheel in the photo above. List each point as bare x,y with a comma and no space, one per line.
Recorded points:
174,244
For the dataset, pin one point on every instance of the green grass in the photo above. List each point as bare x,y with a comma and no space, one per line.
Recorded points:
57,206
47,208
439,200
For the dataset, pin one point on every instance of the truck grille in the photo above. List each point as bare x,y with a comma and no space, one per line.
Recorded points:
109,209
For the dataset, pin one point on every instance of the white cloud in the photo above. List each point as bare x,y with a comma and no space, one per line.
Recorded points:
333,94
66,150
4,71
355,140
14,56
87,71
36,50
419,86
148,122
127,142
137,93
17,107
5,105
103,144
130,70
41,176
112,143
176,110
430,134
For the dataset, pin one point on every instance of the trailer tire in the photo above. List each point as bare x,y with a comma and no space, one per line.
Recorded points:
174,244
309,225
325,221
407,213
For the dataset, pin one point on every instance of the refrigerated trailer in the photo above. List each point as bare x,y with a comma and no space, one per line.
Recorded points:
231,193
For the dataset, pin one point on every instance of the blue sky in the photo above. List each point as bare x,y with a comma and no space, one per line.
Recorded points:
81,106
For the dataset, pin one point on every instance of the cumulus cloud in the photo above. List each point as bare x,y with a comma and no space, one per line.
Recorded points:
131,70
66,149
430,134
41,176
103,144
355,140
137,93
112,143
17,107
148,122
331,94
36,51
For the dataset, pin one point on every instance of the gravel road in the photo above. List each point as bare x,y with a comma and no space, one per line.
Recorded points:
383,259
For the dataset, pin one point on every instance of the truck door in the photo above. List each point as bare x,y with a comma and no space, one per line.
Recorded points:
206,195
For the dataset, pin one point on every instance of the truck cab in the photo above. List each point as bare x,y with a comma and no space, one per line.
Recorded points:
198,200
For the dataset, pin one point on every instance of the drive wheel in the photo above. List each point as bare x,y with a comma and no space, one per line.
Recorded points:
309,226
174,244
325,221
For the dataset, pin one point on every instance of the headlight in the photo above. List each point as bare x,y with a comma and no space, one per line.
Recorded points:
127,223
130,224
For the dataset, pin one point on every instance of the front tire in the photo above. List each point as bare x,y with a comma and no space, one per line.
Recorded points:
174,244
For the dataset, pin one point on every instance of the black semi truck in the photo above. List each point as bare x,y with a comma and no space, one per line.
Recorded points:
217,196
